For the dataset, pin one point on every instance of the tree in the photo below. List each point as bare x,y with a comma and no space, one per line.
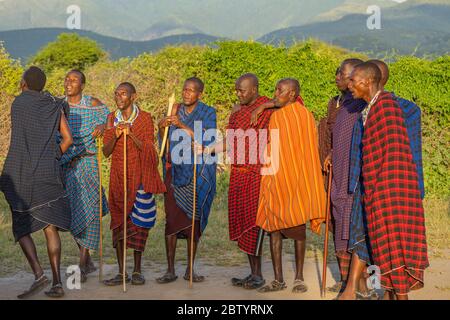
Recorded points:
68,51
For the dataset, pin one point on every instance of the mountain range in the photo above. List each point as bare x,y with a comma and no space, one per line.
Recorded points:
130,27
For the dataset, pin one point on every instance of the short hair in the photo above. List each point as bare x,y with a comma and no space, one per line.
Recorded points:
82,76
199,83
250,76
370,71
383,68
129,86
35,78
293,83
352,62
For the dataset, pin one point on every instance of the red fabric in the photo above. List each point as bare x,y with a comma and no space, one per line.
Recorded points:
395,216
142,166
243,193
136,236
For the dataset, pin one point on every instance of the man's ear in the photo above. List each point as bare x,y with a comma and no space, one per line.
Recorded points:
23,85
82,86
134,96
200,96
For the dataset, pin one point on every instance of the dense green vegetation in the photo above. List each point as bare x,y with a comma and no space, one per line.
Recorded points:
156,76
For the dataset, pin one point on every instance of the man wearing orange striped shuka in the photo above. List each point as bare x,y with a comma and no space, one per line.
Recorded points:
392,197
292,190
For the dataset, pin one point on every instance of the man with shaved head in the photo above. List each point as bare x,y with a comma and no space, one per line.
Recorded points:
359,244
292,191
143,179
243,145
391,193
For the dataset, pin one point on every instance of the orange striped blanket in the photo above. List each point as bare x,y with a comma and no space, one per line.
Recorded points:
294,193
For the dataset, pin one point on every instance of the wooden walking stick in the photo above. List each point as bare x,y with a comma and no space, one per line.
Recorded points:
194,209
327,222
124,211
166,129
99,158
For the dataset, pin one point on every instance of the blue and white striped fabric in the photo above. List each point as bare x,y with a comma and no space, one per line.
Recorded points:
144,209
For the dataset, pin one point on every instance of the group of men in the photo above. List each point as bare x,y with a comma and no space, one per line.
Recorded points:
276,179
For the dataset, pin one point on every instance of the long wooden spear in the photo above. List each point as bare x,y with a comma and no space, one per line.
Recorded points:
194,209
99,158
327,222
124,211
166,129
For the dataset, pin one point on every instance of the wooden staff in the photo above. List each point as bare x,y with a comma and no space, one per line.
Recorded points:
124,210
99,158
194,209
166,129
327,221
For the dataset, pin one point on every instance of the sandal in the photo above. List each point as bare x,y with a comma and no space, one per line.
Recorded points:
38,284
167,278
255,282
56,291
275,285
239,282
299,286
370,295
337,287
196,278
137,279
116,281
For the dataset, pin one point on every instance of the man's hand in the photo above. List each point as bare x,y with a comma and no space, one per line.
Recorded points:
257,112
175,121
123,128
327,163
99,130
164,122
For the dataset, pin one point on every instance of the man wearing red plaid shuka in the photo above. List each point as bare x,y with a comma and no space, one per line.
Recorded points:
392,198
243,145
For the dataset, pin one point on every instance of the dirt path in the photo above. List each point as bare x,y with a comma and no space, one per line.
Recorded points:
217,284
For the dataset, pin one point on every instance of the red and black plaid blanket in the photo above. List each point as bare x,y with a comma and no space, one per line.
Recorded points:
395,214
245,178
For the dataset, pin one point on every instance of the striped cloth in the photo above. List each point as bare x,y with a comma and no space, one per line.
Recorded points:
245,178
144,209
358,235
81,172
413,122
294,193
31,178
182,173
395,216
341,142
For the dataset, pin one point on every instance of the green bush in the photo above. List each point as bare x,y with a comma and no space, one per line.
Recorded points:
68,51
10,73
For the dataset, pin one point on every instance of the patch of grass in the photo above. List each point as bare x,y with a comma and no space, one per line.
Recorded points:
215,247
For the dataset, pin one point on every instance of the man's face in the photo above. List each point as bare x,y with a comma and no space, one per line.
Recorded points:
123,97
245,91
283,94
358,85
343,77
191,93
72,84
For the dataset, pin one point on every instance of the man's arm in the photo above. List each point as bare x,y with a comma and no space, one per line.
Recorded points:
66,135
